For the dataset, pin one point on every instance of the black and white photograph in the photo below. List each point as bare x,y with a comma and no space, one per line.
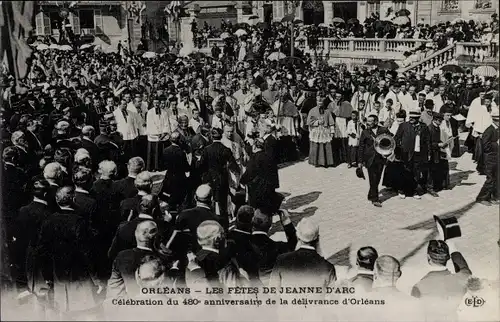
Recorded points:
250,160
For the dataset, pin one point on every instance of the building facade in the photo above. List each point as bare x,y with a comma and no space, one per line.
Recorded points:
105,20
426,11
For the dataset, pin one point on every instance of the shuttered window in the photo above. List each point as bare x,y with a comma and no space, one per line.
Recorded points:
98,22
42,22
75,23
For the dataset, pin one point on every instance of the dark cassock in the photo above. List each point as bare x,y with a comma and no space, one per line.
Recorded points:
437,154
305,103
261,180
215,163
188,221
186,133
66,260
174,184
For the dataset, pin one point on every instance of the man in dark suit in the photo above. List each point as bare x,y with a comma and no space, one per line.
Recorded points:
108,202
198,144
271,148
125,234
29,222
27,159
437,156
261,179
129,208
365,261
413,142
268,249
176,164
440,290
371,159
304,266
211,256
86,204
489,141
240,242
87,142
122,281
188,220
54,175
66,256
215,163
126,187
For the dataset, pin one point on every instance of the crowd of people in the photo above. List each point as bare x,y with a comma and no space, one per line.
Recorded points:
122,172
373,27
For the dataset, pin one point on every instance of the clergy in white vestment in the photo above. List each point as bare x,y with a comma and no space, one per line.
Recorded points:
130,125
185,106
196,122
361,95
159,127
287,118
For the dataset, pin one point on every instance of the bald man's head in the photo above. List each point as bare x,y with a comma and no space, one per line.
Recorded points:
151,272
145,233
204,194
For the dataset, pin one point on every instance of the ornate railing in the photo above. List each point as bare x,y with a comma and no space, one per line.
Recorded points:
477,51
433,61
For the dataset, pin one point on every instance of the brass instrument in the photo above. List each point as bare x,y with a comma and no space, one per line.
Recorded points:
385,145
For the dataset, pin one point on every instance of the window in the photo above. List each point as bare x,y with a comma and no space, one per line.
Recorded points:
88,22
483,4
42,23
86,19
278,9
373,7
398,5
247,7
450,5
54,22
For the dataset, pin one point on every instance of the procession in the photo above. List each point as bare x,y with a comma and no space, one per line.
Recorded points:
128,168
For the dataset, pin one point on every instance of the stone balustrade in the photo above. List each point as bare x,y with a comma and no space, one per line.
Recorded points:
477,51
433,62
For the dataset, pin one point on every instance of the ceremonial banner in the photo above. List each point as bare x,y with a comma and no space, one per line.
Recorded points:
16,21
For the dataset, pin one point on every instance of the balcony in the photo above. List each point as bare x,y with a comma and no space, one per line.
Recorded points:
355,51
82,3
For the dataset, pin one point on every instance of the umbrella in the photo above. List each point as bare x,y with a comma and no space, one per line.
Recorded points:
288,18
85,46
149,54
54,46
373,61
297,21
323,25
253,17
353,21
388,65
42,47
276,56
242,25
66,48
485,71
198,55
457,20
140,52
260,24
338,20
225,35
401,20
452,69
465,58
240,32
403,12
291,60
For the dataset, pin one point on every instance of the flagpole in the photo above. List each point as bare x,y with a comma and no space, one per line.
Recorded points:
7,14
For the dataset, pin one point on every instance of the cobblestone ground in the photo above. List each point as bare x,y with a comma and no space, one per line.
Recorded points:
401,228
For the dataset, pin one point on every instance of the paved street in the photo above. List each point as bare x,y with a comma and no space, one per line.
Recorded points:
401,228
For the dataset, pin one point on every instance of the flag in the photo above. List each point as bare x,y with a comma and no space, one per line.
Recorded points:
16,21
173,9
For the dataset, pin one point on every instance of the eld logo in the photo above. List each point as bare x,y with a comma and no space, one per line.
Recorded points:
474,301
